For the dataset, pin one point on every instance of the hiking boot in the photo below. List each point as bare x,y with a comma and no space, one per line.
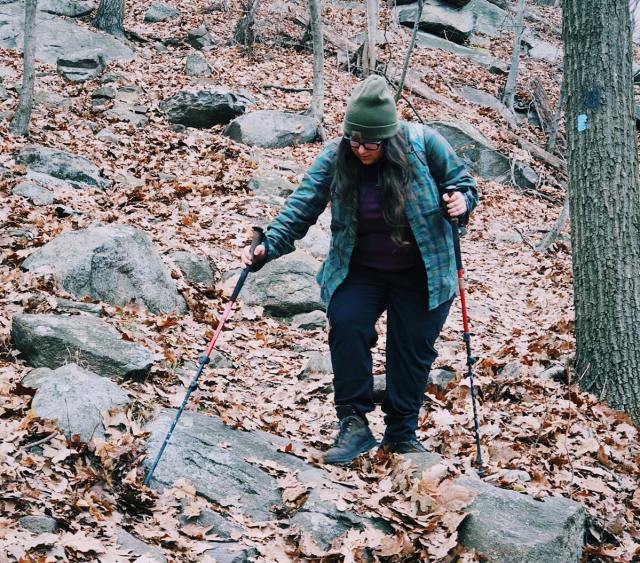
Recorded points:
354,438
406,447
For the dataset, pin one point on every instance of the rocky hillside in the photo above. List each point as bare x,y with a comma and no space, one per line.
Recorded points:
148,161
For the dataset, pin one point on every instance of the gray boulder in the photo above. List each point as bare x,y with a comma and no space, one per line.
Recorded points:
197,269
537,48
507,527
76,170
67,8
122,112
55,340
159,11
201,38
482,159
204,108
309,321
112,263
34,193
39,524
270,187
441,378
316,242
317,364
441,19
457,3
195,65
81,66
273,129
76,399
104,93
483,59
51,100
285,287
139,549
233,477
55,36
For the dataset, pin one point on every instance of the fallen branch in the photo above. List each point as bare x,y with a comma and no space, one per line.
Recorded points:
286,88
541,103
541,154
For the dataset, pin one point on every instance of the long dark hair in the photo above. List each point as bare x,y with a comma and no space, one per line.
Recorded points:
395,176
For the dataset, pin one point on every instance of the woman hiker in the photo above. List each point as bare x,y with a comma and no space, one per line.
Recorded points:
391,249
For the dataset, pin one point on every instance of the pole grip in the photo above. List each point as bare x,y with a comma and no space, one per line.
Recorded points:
258,237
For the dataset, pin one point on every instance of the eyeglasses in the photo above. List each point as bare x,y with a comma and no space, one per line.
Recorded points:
368,145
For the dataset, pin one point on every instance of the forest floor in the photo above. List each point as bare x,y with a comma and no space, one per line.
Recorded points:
520,302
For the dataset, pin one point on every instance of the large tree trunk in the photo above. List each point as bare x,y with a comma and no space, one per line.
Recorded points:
20,122
604,199
317,97
110,16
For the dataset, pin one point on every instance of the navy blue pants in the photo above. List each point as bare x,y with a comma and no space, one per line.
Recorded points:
411,333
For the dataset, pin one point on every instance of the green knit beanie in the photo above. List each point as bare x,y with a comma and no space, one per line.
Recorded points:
371,110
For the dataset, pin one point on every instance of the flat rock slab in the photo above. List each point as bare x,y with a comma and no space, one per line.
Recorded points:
112,263
55,36
272,129
232,476
55,340
285,287
509,527
204,108
76,399
484,99
138,548
76,170
491,63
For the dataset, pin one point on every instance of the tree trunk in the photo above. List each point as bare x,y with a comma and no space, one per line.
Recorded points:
407,58
509,93
604,199
110,16
317,98
369,56
20,122
245,33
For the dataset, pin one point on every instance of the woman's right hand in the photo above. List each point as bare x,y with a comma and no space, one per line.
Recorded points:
259,254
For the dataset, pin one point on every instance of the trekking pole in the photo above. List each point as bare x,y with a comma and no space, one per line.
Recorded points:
258,236
466,335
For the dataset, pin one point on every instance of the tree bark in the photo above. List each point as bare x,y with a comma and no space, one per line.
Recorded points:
541,103
245,32
369,57
317,97
604,199
110,17
509,93
553,133
20,122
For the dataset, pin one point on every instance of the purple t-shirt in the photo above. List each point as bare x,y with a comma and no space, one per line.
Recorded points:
374,247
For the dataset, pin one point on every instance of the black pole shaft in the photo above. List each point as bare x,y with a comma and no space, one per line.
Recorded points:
466,335
204,359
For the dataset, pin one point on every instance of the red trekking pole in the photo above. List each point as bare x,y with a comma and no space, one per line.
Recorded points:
258,236
466,335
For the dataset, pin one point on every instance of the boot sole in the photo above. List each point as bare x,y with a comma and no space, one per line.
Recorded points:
347,460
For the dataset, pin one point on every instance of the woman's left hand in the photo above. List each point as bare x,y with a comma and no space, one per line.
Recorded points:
456,204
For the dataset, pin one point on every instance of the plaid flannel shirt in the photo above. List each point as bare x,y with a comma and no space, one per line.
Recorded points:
435,169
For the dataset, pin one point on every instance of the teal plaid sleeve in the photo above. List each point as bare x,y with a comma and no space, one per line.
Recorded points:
449,171
303,206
